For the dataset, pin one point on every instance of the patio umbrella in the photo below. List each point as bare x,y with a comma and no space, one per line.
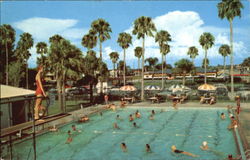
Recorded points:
152,88
177,87
206,87
128,88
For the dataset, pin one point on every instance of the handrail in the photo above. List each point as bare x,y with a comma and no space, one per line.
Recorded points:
242,152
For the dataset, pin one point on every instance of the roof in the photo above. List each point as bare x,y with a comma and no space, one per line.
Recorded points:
10,91
167,71
202,70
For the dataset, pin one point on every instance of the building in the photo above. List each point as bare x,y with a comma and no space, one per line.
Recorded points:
15,104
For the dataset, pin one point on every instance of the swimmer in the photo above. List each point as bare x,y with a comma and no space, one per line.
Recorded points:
153,112
112,106
124,147
74,128
230,157
173,148
222,116
151,117
137,114
84,119
148,149
116,126
131,118
204,146
69,139
134,124
233,124
118,116
100,113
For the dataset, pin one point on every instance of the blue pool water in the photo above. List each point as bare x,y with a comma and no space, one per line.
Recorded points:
185,128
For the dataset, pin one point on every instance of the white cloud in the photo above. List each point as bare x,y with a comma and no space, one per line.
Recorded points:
185,29
43,28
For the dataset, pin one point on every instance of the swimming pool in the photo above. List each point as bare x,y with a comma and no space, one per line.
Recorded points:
185,128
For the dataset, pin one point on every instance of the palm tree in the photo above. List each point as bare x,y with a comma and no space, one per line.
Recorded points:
184,66
152,63
124,41
89,40
114,56
24,44
164,49
7,39
143,26
102,29
230,9
205,63
192,52
206,41
224,50
41,48
163,37
138,54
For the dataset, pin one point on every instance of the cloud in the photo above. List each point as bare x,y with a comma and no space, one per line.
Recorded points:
43,28
185,29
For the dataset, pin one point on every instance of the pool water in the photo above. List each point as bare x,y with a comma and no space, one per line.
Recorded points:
185,128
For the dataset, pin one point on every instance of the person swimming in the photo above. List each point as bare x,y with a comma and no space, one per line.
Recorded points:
173,148
222,116
137,114
118,116
153,112
148,148
204,146
74,128
124,147
131,117
135,125
100,113
84,119
69,139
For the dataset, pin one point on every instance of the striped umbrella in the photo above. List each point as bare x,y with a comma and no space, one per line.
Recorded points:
207,87
128,88
152,88
177,87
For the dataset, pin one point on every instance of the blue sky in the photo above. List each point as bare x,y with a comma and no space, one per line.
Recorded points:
184,20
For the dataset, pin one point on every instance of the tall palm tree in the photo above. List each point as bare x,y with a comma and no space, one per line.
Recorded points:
41,48
24,44
224,50
114,56
184,66
192,52
124,40
229,9
7,39
102,29
143,26
162,37
205,63
206,41
152,63
165,49
138,54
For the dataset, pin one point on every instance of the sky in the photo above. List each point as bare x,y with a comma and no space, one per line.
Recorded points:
184,20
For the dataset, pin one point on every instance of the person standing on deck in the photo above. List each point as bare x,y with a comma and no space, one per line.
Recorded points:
106,98
39,94
237,98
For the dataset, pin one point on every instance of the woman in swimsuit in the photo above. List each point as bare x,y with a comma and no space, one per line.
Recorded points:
39,94
182,152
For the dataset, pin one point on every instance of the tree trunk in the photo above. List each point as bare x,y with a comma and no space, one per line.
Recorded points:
205,66
224,68
138,66
59,90
114,69
193,73
162,83
101,83
27,75
232,54
63,93
184,78
7,64
124,67
91,92
142,70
